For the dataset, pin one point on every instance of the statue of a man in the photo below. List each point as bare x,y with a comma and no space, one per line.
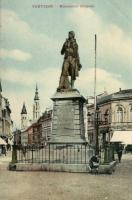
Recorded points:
71,64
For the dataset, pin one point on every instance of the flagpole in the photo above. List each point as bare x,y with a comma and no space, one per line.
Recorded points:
95,100
95,71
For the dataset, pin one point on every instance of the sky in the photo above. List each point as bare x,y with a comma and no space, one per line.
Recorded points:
32,37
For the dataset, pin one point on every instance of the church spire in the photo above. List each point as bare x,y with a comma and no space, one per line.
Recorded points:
24,110
36,93
24,117
36,106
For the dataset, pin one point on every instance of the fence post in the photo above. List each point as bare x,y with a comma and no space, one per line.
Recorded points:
112,157
106,154
49,152
14,154
113,152
85,153
32,153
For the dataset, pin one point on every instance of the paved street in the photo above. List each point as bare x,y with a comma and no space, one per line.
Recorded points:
63,186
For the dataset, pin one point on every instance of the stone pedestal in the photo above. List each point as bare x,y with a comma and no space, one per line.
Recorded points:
68,120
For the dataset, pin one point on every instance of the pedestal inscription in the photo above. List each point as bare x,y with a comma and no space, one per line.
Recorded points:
68,122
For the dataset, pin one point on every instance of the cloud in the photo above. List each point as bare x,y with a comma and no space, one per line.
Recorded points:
104,81
47,76
117,45
15,54
113,43
48,80
17,30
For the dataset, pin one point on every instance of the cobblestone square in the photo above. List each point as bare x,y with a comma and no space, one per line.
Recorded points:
71,186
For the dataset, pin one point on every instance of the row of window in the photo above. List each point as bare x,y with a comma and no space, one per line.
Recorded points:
120,112
119,115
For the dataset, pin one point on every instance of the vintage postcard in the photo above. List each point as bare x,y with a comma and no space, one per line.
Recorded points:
65,100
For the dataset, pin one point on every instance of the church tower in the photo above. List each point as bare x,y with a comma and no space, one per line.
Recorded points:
36,106
23,117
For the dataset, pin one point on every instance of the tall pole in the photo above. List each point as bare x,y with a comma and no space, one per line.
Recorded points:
95,73
95,100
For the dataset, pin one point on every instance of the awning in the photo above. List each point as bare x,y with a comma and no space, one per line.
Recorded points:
2,142
122,136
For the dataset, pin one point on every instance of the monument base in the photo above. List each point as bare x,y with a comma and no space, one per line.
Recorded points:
68,120
77,168
61,167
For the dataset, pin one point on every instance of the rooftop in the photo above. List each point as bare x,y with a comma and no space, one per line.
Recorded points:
121,94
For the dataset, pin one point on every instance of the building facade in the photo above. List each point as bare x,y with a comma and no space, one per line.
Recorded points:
24,137
114,112
17,137
38,132
30,135
45,126
5,117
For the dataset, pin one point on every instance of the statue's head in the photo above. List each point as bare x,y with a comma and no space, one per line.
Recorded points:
71,34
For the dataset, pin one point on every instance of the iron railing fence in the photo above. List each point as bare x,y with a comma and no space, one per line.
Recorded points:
68,153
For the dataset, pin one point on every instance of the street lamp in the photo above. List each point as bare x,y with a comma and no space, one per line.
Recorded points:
96,123
89,114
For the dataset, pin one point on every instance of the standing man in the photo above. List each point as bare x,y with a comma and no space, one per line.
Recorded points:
119,152
71,65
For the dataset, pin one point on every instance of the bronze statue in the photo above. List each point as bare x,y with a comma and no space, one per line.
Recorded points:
71,64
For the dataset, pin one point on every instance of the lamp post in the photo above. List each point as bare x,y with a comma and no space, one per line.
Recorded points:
97,130
96,123
108,149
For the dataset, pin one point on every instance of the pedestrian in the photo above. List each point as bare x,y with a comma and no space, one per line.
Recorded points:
94,163
8,147
119,152
4,150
